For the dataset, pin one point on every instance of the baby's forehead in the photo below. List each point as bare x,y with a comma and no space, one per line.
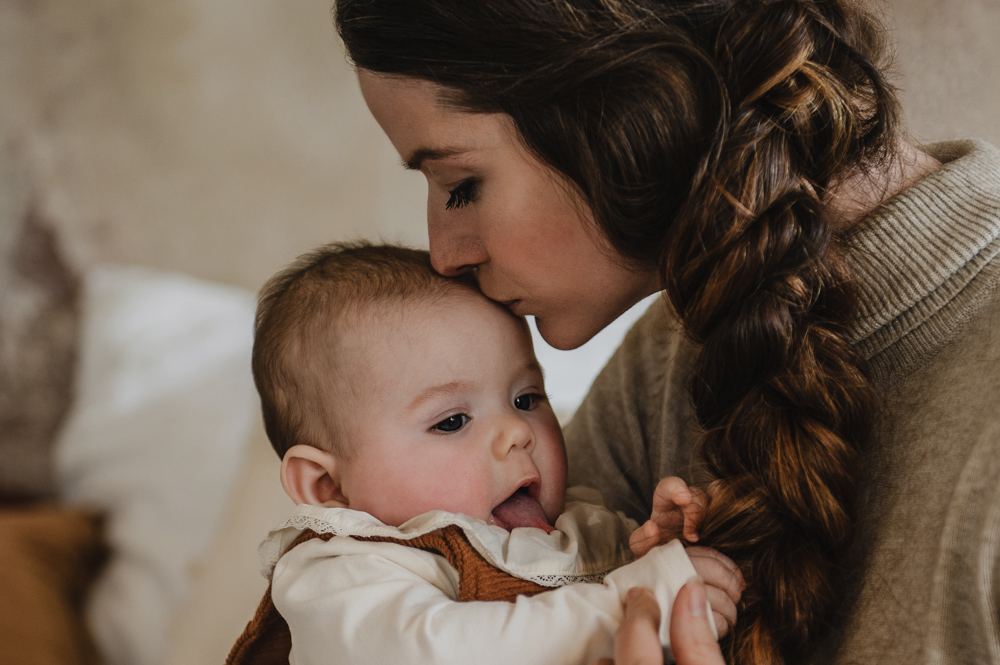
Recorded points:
374,328
370,326
409,310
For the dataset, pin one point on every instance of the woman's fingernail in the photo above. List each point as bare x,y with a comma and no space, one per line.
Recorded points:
632,594
698,600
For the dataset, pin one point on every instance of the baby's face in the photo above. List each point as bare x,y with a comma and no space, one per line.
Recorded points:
452,416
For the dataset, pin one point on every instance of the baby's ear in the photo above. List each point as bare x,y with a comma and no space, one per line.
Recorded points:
310,475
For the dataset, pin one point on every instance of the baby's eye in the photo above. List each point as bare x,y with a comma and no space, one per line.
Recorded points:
451,423
528,401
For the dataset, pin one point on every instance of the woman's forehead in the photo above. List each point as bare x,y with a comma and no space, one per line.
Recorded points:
422,125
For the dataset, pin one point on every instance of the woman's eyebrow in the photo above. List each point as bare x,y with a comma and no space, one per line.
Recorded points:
421,155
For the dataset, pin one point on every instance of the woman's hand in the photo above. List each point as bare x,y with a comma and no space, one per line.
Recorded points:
691,637
637,641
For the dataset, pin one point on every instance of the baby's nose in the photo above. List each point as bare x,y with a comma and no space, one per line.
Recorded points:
513,434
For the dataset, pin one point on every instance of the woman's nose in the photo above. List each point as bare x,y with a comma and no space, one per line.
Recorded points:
512,433
454,250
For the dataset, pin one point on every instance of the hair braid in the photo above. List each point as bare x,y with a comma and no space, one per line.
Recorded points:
757,276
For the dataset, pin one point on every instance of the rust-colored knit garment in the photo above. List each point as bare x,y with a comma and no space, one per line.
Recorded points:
267,640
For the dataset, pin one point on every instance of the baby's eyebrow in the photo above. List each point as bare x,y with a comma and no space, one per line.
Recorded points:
449,388
533,367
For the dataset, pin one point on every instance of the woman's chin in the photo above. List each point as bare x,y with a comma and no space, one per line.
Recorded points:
564,335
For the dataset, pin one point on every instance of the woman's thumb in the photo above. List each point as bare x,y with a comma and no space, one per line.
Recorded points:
691,637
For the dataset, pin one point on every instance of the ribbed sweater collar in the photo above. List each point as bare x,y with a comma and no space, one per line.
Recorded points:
928,259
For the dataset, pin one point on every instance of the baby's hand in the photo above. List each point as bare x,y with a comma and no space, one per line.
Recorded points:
723,584
677,513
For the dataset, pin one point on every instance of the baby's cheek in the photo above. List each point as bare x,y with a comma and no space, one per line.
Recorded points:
553,495
447,483
397,492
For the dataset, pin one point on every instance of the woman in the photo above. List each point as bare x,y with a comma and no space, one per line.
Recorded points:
826,357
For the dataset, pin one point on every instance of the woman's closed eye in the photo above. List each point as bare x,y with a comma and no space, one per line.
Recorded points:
462,195
451,424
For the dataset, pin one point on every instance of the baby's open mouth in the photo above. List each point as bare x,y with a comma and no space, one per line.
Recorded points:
521,509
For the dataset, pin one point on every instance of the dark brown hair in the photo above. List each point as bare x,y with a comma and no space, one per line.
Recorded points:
704,135
300,313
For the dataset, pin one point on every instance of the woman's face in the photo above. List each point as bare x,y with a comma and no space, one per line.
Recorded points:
494,208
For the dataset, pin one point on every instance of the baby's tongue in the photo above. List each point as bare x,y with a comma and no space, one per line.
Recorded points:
522,510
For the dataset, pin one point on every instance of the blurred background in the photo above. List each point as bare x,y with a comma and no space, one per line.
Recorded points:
209,144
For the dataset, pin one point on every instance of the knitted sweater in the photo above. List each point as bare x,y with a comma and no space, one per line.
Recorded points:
922,581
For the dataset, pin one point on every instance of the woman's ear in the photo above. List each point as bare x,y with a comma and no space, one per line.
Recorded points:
310,475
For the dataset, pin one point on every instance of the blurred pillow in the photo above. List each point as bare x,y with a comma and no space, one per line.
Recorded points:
38,332
49,555
164,406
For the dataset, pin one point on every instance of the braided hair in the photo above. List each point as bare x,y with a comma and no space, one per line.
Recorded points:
705,135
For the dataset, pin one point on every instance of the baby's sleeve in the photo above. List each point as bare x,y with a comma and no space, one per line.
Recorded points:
664,570
368,608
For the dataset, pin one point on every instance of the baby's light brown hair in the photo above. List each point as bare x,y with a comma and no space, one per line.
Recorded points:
300,313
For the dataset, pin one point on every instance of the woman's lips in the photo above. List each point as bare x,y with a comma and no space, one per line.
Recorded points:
513,306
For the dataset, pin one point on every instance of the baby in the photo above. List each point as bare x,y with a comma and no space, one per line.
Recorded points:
411,418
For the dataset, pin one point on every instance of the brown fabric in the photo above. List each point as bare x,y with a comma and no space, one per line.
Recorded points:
267,640
50,556
478,579
38,337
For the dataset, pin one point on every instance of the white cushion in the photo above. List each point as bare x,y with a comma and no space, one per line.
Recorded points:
164,406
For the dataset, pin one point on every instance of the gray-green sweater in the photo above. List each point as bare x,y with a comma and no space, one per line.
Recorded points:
923,580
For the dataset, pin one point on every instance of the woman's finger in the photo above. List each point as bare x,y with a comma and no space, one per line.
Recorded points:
691,637
637,640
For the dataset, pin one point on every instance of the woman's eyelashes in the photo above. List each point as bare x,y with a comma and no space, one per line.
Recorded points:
462,195
451,424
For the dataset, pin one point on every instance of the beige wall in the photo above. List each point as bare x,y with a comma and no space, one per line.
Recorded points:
219,138
222,138
948,67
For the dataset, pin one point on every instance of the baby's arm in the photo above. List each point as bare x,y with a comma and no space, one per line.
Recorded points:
677,513
366,608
